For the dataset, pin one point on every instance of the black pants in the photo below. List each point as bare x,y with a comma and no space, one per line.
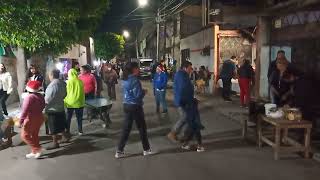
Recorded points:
226,91
112,91
134,113
3,98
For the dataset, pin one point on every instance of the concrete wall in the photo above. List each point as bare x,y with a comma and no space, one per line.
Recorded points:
196,43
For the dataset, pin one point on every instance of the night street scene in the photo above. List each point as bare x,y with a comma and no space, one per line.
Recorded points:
160,89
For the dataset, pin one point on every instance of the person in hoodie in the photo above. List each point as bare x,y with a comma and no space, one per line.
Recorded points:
75,99
228,71
160,84
133,95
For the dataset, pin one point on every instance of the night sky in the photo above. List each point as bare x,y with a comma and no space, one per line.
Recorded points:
119,9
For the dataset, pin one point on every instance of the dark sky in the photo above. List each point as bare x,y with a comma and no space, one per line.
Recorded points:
119,9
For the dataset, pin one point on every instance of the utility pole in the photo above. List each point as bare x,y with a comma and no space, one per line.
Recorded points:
158,34
137,45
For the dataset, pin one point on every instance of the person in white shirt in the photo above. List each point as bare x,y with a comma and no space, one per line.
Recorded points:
5,87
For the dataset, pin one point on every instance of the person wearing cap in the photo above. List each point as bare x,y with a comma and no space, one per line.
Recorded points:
160,84
75,99
32,118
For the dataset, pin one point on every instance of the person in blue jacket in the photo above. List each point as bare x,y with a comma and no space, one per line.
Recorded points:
133,95
187,107
160,84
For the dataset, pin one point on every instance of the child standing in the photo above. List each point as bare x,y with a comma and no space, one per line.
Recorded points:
32,118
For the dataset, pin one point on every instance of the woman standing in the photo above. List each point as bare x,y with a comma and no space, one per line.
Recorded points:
54,96
133,109
32,118
75,99
110,77
5,87
246,75
34,75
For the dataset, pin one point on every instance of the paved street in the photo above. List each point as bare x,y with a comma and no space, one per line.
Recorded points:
92,155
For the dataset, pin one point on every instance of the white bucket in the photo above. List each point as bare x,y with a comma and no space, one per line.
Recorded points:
268,107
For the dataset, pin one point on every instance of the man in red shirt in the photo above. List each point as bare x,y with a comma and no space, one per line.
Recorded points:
89,81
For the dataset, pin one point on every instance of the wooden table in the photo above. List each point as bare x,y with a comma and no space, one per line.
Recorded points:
281,134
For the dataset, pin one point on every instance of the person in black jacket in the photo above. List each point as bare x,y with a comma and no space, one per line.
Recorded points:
246,75
282,84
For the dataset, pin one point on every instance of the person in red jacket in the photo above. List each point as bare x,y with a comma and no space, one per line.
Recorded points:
32,118
89,82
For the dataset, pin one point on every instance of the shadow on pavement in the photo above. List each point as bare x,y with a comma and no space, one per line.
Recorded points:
79,146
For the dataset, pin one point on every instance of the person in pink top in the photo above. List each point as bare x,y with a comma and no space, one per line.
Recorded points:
89,81
32,118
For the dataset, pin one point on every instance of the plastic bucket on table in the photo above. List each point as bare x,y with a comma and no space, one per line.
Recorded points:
268,108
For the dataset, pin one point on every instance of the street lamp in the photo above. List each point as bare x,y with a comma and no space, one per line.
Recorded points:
126,34
142,3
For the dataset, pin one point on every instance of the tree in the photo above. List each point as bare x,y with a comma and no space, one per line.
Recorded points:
49,26
108,45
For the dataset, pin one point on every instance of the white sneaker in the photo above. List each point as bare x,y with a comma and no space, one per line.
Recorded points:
37,155
120,155
80,133
31,155
186,147
200,149
149,152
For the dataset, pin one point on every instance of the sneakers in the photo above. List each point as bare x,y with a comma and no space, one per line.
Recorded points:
200,149
149,152
172,136
186,147
120,154
33,156
80,133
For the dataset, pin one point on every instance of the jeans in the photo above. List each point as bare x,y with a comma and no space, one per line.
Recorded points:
79,115
135,113
3,98
112,91
181,122
226,91
161,99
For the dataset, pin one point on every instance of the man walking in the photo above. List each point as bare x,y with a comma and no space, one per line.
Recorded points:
183,94
228,71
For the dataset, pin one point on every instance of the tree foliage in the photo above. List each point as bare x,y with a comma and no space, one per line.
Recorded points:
49,26
108,45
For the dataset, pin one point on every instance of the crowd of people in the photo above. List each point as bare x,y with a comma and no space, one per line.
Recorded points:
200,79
62,98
